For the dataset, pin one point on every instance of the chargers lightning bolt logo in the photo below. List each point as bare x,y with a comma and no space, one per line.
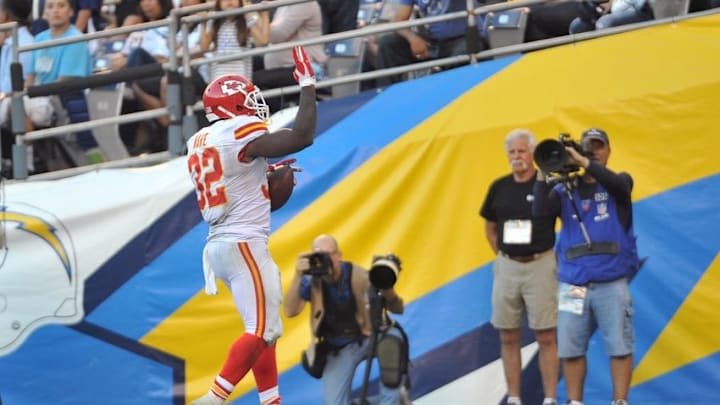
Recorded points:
38,276
43,230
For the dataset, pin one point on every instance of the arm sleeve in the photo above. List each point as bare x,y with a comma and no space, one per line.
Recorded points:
486,210
546,201
618,185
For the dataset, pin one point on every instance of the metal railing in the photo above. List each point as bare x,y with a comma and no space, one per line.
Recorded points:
179,125
183,125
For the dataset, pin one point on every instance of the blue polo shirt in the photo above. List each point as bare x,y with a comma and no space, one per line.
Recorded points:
49,64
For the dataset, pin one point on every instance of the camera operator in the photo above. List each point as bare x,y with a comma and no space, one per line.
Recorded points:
340,296
597,254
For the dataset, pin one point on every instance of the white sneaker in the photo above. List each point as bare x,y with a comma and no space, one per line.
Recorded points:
619,402
208,399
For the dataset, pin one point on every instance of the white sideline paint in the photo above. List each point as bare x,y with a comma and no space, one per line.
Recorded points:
466,389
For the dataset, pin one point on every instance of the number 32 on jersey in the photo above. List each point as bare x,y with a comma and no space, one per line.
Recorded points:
206,170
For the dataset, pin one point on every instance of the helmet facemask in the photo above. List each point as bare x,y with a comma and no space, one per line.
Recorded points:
256,102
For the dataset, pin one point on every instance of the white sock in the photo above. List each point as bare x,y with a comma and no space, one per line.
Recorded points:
549,401
513,401
575,403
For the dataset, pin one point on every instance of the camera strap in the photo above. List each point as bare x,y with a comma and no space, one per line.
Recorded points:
313,358
594,248
317,307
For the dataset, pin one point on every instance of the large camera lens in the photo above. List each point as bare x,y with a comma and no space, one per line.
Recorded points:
550,156
383,273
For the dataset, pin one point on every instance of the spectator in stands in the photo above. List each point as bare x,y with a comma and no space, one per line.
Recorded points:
141,48
151,97
147,46
148,10
87,17
549,20
290,23
58,63
599,15
124,9
195,31
438,40
233,35
62,61
373,12
339,15
19,11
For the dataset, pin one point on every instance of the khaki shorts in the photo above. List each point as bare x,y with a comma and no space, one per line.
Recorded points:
525,287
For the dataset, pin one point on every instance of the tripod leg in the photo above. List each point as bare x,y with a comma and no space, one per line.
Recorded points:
368,367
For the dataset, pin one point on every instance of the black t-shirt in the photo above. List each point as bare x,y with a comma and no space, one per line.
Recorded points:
508,200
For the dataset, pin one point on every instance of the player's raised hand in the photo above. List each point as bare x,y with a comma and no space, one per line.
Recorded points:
304,74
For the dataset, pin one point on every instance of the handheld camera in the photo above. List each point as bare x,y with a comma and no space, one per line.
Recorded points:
320,264
551,157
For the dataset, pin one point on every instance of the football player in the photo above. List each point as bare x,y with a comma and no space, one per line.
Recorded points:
227,162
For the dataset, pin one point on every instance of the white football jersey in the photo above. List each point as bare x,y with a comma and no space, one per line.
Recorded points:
232,195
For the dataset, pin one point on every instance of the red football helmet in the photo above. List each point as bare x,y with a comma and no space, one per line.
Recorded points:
231,95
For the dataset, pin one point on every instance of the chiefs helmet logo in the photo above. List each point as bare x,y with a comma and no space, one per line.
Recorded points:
231,87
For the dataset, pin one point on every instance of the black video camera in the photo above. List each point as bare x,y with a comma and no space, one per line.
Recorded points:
384,271
320,264
551,156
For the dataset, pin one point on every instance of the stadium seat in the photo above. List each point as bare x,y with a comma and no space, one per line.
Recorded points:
506,27
103,103
669,8
345,58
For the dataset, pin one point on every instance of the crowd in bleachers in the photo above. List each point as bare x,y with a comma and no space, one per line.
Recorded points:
42,20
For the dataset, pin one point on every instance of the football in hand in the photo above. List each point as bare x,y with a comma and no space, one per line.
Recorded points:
281,182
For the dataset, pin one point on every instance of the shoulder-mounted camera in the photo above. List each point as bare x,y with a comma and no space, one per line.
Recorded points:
384,271
551,157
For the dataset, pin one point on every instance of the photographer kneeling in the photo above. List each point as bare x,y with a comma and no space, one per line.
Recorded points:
341,297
